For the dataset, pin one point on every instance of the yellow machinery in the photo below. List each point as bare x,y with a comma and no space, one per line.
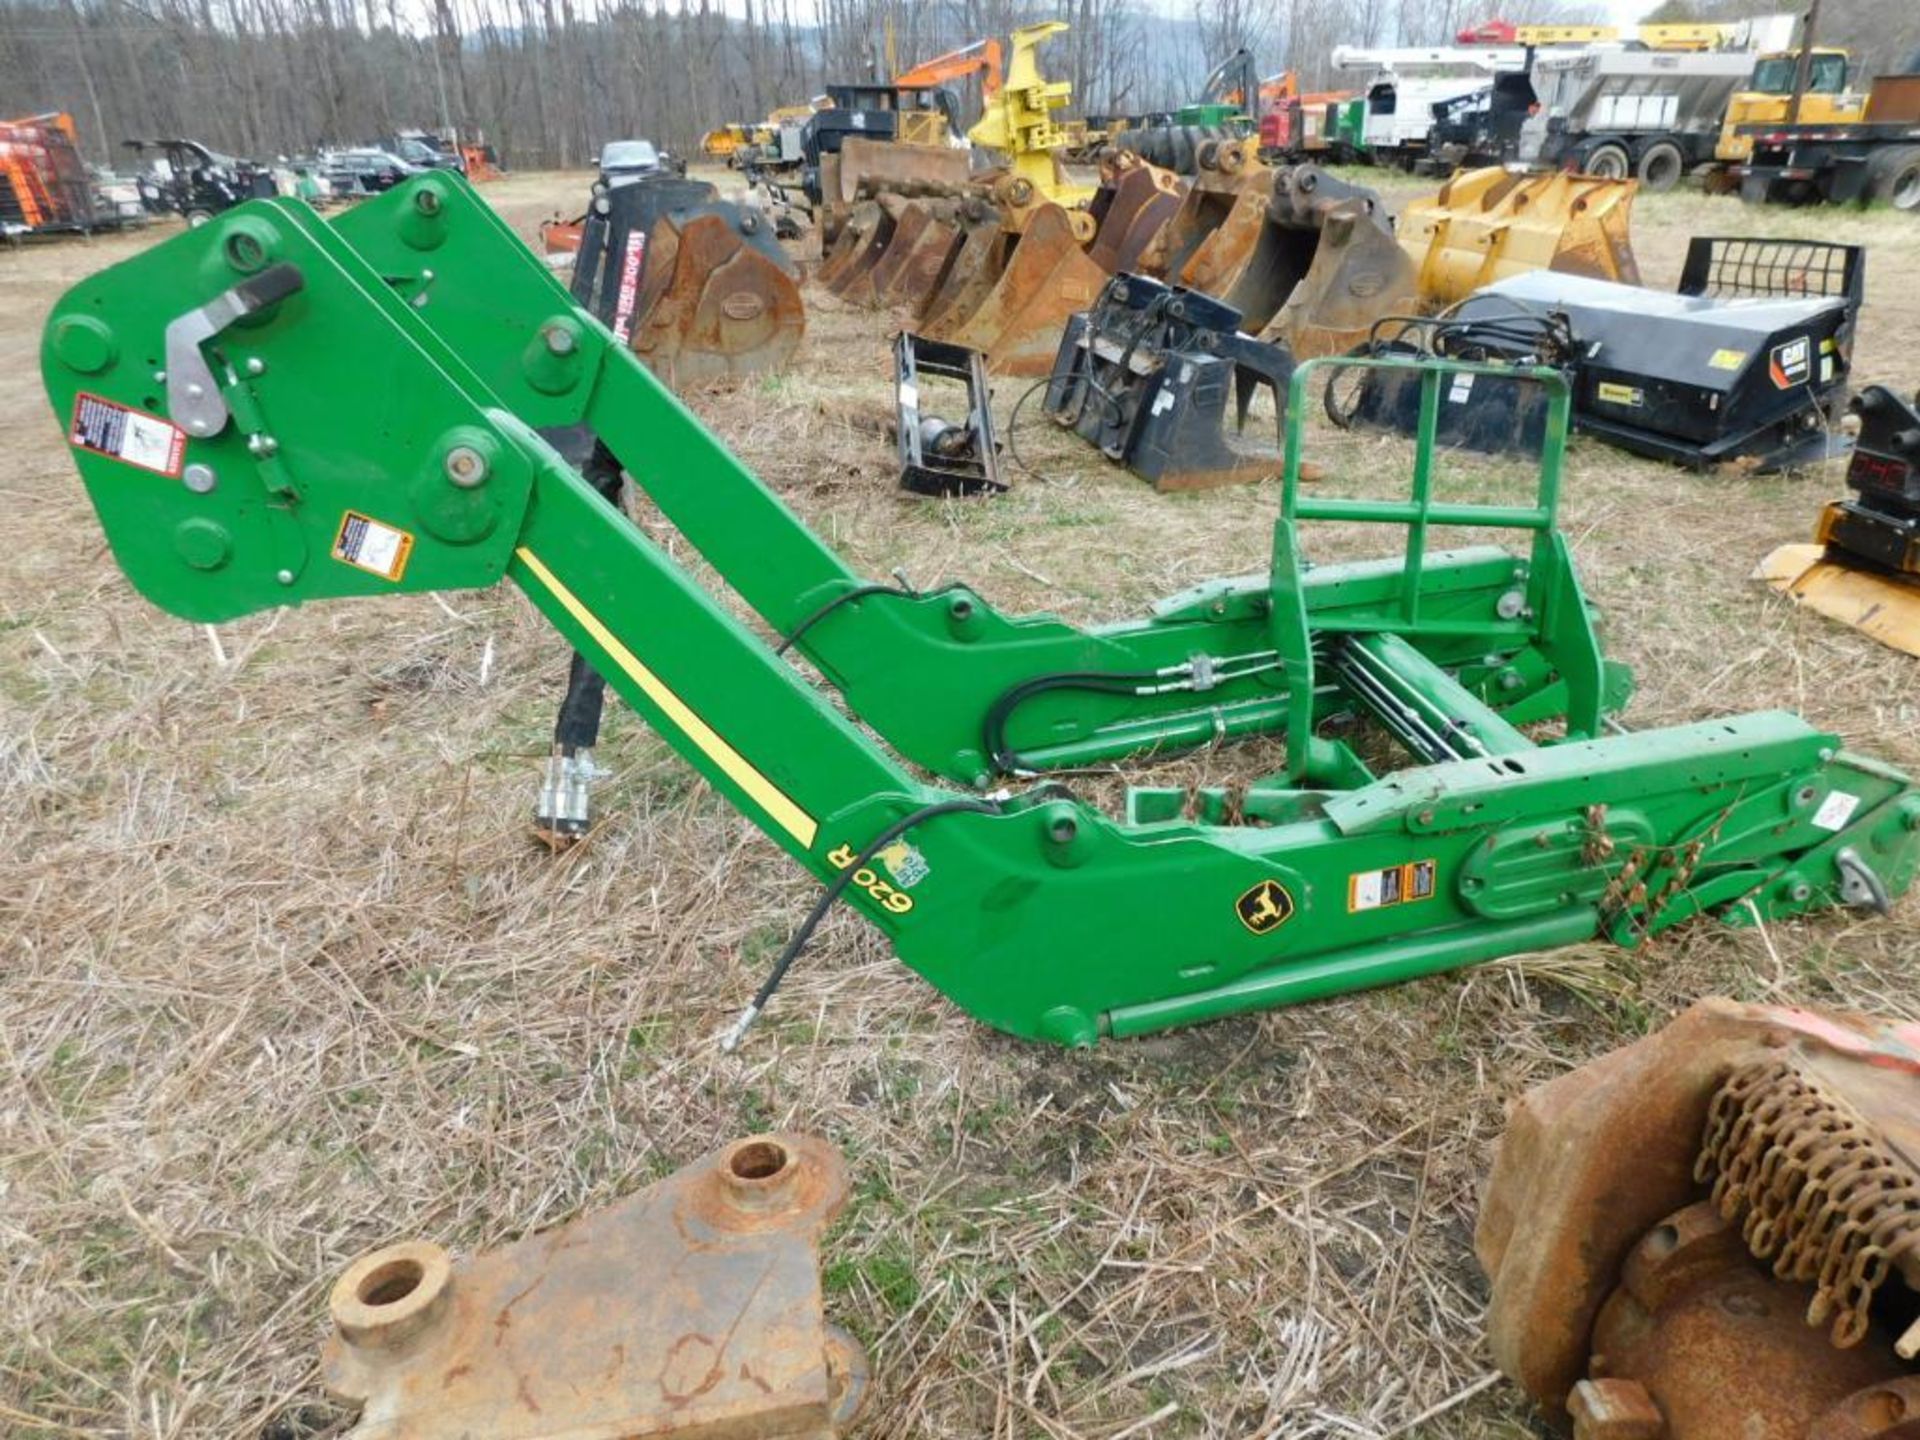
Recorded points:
1020,122
1485,225
1769,96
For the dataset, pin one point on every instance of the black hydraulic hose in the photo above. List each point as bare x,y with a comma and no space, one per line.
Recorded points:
835,888
993,728
847,597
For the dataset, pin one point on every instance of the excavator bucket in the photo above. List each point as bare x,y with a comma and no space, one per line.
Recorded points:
971,271
697,285
1134,204
1485,225
1227,176
868,169
715,305
1009,290
1882,607
848,246
1331,254
924,236
1048,278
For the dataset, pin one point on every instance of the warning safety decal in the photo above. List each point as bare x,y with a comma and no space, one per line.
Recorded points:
144,441
366,544
1395,885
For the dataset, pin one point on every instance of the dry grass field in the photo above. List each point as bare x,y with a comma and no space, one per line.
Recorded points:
282,976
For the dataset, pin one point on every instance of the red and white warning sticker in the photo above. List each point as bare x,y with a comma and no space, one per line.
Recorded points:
366,544
1395,885
144,441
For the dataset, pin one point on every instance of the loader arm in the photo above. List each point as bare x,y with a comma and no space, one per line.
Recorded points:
263,418
923,671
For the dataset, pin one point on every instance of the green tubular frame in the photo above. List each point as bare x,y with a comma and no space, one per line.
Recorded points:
1044,917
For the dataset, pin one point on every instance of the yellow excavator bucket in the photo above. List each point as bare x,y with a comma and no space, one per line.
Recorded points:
1882,607
1485,225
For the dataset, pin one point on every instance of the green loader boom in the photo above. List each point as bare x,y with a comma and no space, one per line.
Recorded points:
270,409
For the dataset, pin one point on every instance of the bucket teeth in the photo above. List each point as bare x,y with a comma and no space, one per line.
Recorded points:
1818,1188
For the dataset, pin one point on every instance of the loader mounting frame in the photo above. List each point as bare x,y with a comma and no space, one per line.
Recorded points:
351,446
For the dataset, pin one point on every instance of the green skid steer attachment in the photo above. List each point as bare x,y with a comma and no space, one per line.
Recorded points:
270,409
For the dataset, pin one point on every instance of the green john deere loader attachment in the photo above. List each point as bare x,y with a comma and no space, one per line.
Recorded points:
270,409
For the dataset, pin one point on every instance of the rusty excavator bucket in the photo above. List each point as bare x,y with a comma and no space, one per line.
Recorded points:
698,286
1335,242
1485,225
1714,1233
1307,259
1010,294
864,169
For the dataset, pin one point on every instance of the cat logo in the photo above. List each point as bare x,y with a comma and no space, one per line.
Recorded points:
1791,363
1267,906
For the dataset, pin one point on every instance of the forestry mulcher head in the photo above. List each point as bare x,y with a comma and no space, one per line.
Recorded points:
1746,362
1148,374
1863,568
698,286
337,421
689,1309
1714,1233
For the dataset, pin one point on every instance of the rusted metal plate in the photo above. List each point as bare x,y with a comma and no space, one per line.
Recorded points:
561,237
1595,1160
1224,173
713,304
691,1309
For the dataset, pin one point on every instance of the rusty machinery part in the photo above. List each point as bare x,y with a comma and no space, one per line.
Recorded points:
1350,272
1486,225
1048,277
1011,294
690,1308
1147,375
1714,1233
940,455
865,169
697,286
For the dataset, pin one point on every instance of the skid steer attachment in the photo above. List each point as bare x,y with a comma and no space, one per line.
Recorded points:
940,456
1714,1233
1147,375
1863,568
1746,363
357,410
698,286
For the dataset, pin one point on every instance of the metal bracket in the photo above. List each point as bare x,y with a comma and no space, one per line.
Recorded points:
194,401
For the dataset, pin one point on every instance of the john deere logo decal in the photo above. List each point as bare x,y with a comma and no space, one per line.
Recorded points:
1791,363
1267,906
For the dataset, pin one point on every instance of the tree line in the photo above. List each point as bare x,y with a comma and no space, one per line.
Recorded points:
548,81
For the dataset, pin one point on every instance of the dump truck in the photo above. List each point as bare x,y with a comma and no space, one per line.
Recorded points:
1614,112
1769,100
1876,158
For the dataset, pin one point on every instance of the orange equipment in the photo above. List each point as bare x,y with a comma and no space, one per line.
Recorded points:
43,182
480,163
982,57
